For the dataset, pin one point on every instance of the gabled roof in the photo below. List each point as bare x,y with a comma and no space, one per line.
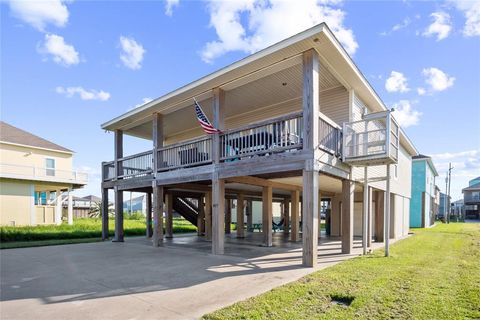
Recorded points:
14,135
319,37
429,161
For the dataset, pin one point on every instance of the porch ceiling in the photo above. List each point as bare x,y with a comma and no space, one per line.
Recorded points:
274,94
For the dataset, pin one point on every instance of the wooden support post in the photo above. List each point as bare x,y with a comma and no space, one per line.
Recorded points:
118,215
118,153
218,214
267,216
169,217
379,215
286,216
365,211
208,215
158,206
319,215
157,137
249,216
104,209
228,216
240,216
218,121
370,217
294,236
70,207
310,217
148,208
348,189
387,214
201,217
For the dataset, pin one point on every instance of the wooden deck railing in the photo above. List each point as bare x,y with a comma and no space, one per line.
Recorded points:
263,138
330,136
282,134
185,154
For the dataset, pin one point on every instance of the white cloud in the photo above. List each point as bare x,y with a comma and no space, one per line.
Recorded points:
421,91
405,23
396,82
83,93
471,10
144,101
466,166
405,114
169,4
437,79
61,52
39,13
251,25
132,53
440,27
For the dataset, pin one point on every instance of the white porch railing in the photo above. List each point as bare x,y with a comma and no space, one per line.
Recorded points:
44,174
374,139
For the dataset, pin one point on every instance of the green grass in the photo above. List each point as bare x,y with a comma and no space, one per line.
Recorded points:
81,229
433,275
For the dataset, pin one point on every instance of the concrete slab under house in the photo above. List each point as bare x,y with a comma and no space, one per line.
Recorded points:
299,126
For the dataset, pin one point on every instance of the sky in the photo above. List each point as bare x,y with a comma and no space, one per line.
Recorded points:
69,66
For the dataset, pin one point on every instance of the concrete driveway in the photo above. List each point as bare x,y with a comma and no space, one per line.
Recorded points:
133,280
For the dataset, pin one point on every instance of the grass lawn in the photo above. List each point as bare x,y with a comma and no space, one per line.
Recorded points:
83,230
432,275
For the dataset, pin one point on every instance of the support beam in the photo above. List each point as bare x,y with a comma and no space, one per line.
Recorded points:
201,217
208,215
158,206
319,216
157,138
260,182
228,216
379,215
104,213
286,216
169,216
387,214
58,207
218,121
310,217
70,207
267,216
365,211
249,215
148,208
218,214
118,215
240,216
118,152
294,234
348,189
370,217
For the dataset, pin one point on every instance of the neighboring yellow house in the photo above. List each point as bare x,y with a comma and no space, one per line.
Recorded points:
36,178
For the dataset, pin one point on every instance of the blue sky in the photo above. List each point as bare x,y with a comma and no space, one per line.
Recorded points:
67,67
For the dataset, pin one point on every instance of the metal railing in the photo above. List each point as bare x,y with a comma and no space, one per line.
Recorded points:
330,136
263,138
40,173
375,137
185,154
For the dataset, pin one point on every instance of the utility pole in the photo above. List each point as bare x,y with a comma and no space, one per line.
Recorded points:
449,181
446,200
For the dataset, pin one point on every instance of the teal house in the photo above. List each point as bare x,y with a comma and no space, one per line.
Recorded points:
422,203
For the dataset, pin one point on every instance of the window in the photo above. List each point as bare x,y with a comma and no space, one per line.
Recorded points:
50,167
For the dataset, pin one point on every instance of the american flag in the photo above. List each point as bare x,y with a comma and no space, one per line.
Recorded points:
202,118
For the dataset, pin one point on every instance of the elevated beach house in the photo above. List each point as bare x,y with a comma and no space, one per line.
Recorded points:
297,123
36,179
422,203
